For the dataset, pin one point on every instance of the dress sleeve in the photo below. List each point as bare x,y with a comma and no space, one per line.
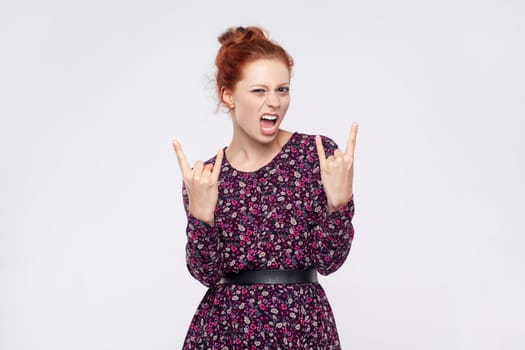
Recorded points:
203,257
331,233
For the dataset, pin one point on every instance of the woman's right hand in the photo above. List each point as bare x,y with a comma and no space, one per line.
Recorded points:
201,184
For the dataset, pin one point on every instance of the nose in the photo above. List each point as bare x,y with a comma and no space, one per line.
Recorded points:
273,100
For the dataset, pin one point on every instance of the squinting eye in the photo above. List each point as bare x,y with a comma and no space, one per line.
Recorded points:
258,91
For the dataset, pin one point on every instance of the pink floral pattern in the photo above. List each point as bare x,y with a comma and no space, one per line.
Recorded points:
272,218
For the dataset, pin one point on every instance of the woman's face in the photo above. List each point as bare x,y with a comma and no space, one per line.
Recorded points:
260,99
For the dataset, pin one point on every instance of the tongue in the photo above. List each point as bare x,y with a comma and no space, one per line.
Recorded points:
268,127
267,123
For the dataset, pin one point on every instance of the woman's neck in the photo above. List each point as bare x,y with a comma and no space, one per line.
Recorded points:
246,154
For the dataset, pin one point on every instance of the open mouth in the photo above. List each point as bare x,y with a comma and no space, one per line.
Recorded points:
268,121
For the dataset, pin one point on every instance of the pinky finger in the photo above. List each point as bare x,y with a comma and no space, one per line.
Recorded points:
218,164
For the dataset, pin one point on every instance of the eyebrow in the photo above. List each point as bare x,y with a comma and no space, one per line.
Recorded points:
266,86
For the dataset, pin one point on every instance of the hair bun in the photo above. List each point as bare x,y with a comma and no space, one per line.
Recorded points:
239,46
234,36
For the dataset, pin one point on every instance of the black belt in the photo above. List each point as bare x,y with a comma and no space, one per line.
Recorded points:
270,277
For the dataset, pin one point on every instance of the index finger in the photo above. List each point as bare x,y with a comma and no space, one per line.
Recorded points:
350,145
181,158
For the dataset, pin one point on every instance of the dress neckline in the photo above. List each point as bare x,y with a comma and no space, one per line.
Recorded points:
281,151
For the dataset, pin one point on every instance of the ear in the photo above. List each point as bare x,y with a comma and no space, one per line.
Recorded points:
227,98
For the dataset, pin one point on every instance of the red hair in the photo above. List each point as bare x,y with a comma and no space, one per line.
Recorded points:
242,45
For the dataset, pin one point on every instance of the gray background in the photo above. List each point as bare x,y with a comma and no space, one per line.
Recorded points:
92,228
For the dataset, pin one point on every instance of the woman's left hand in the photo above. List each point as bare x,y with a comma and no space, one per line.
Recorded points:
337,171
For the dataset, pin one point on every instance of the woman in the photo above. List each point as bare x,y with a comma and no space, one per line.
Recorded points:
266,213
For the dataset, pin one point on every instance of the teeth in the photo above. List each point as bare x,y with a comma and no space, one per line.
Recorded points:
269,117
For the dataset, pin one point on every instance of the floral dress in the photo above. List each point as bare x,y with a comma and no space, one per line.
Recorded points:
272,218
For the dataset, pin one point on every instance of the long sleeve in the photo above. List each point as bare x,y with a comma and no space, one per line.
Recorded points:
203,247
331,233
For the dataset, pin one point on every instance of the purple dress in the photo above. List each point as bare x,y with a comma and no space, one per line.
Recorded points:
272,218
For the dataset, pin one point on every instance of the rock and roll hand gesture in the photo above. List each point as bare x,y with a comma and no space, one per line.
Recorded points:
201,181
201,184
337,171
